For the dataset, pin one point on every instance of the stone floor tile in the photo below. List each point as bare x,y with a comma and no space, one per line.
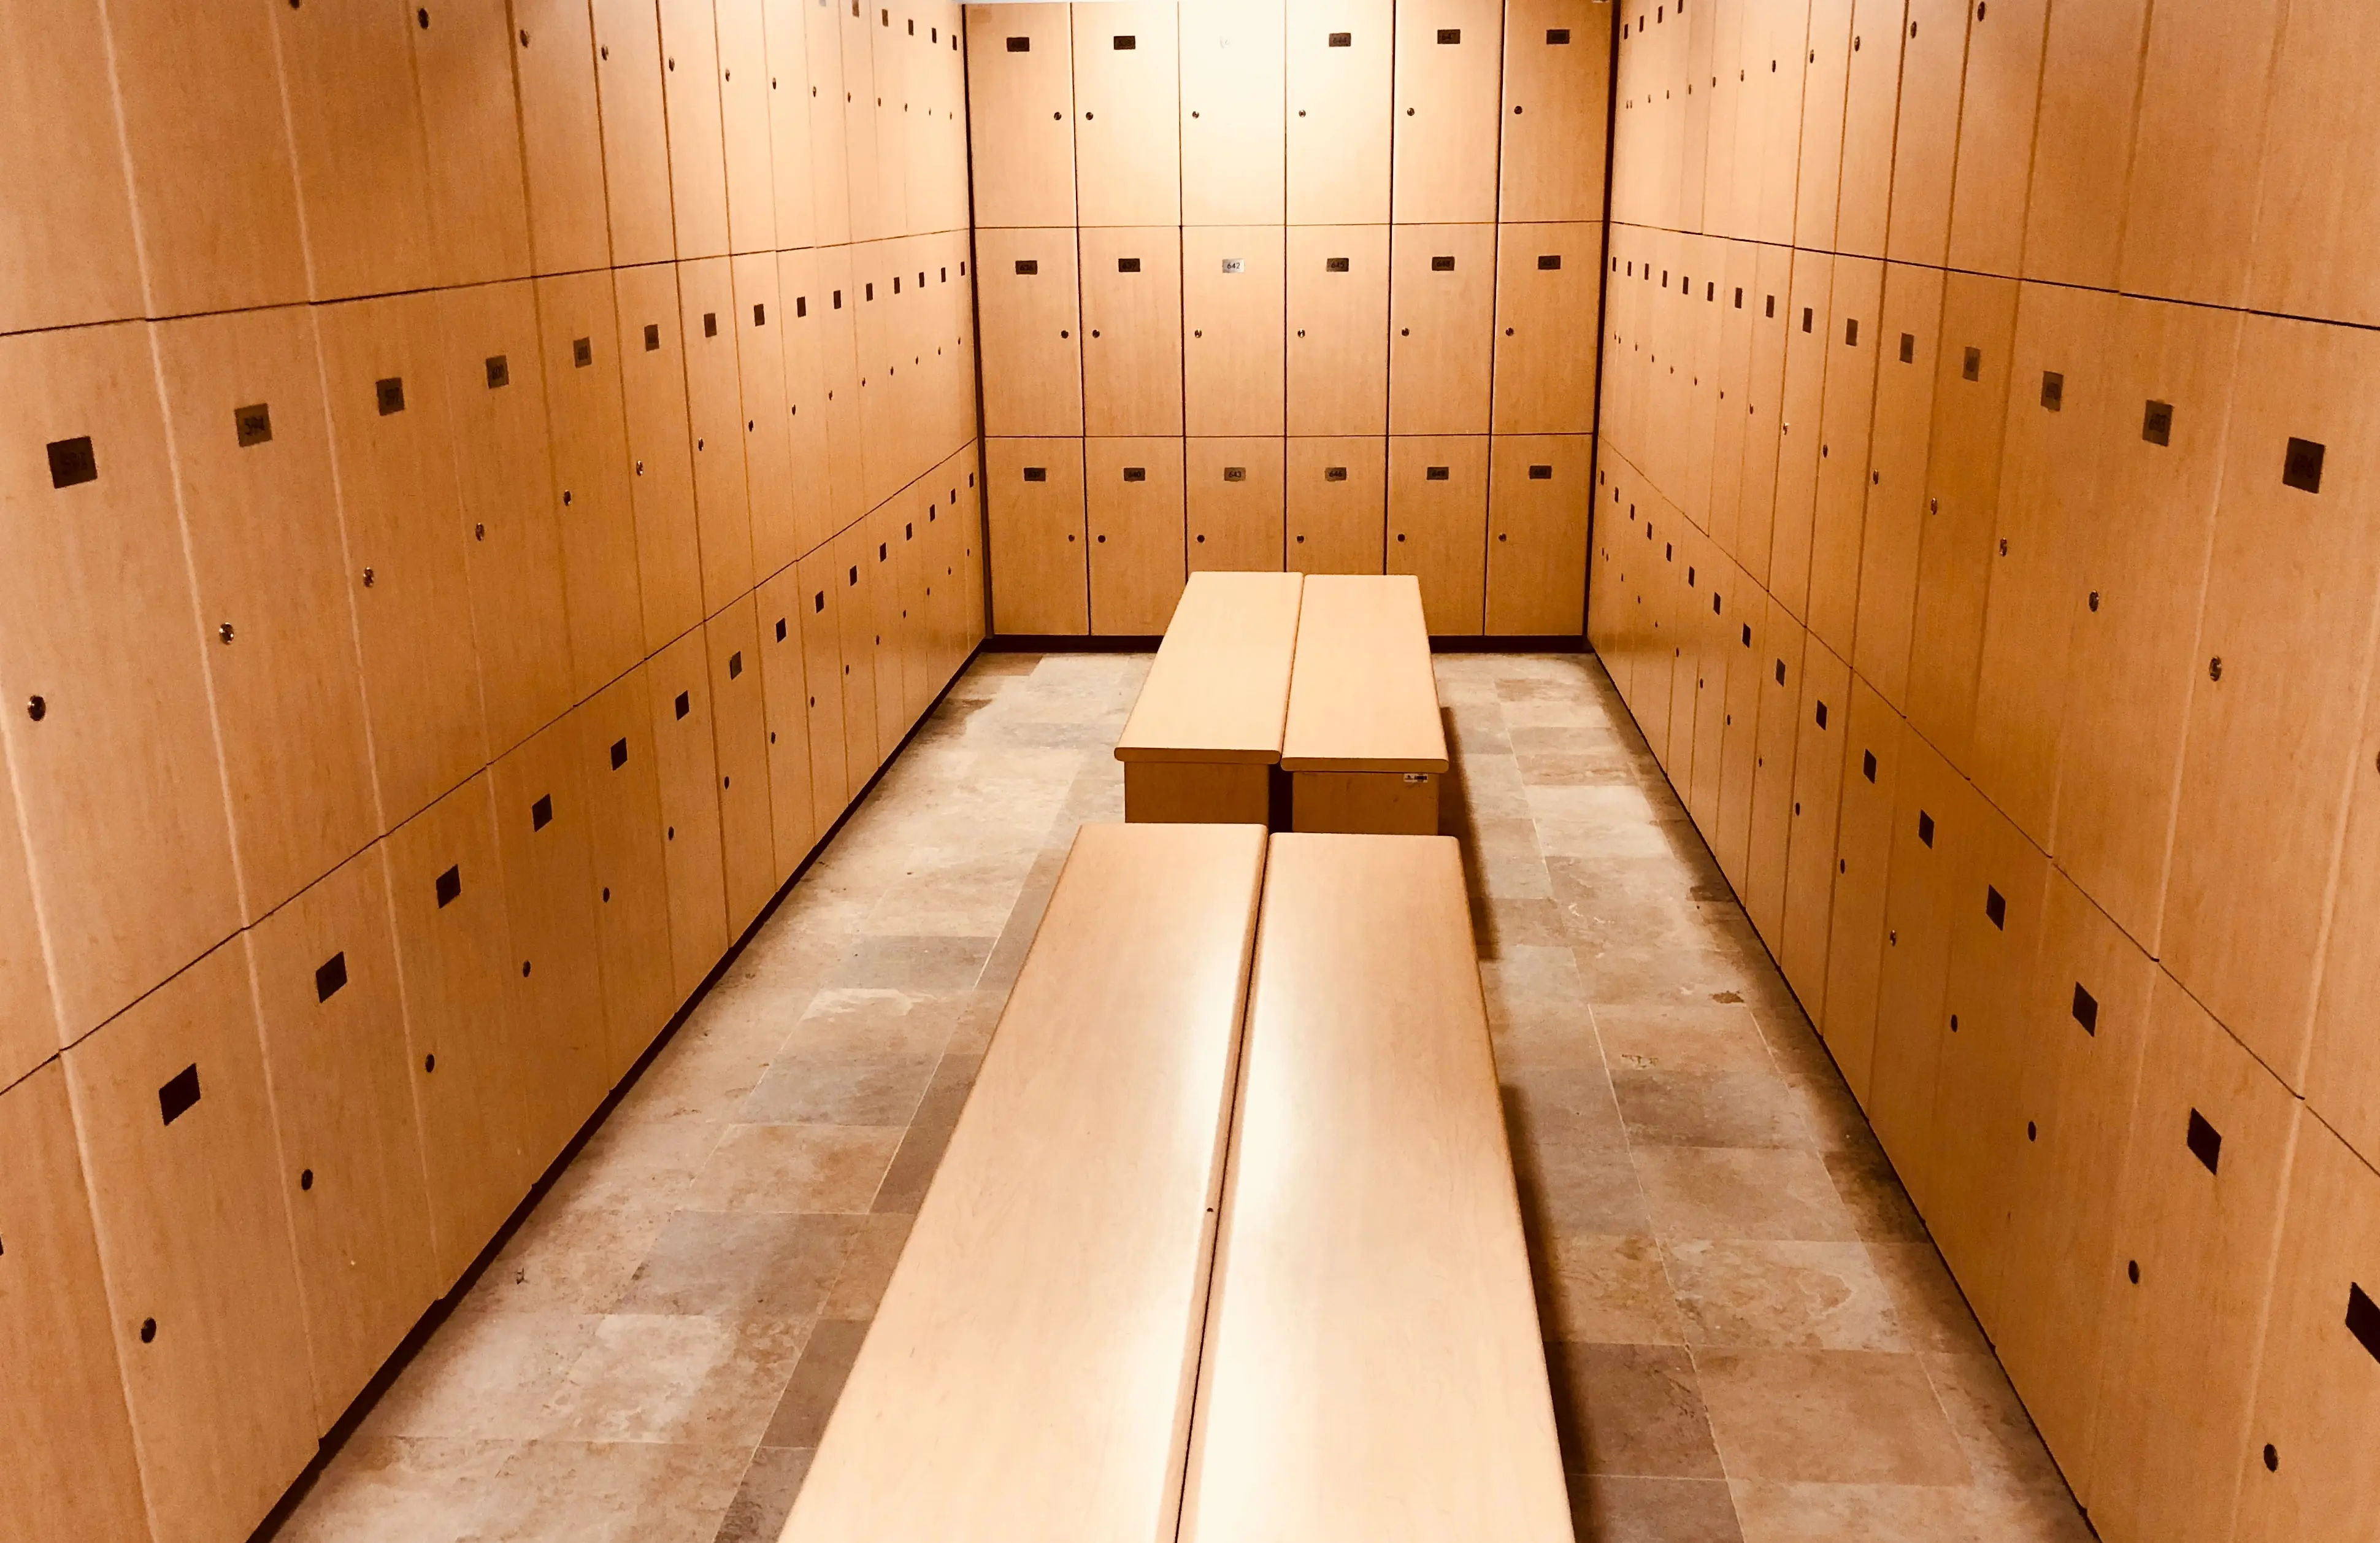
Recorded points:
1605,1288
671,1378
1931,1307
1829,1416
867,1264
766,1496
1560,1107
1880,1207
805,1169
922,964
1751,1293
743,1264
1698,1192
609,1492
1709,1109
1627,1508
838,1090
1690,1036
809,1395
396,1489
484,1376
1574,1191
1630,1409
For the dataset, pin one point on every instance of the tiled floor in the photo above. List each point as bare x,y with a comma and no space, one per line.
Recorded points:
1748,1333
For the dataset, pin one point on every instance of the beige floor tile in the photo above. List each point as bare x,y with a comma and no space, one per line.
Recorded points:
796,1168
675,1379
610,1493
1829,1416
1721,1193
1696,1037
1605,1289
1755,1292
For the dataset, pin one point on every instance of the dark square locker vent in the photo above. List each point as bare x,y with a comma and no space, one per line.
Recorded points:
1036,474
1541,474
1996,907
1556,35
71,462
1342,40
252,425
1924,827
685,703
2301,468
1028,266
2053,391
619,754
1127,266
2205,1142
1334,474
450,886
1336,265
330,975
1440,474
1449,35
175,1098
2086,1010
2363,1320
1867,764
1126,43
652,337
390,394
540,814
1136,473
1020,45
1550,262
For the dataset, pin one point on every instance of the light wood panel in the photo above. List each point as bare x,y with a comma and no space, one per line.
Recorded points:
1871,104
630,866
635,130
1132,332
802,311
660,451
587,421
794,825
1218,689
1763,404
1811,335
561,135
2342,1065
2315,211
1810,857
686,756
1817,184
697,155
1041,573
1442,315
1361,695
1996,113
1538,497
1235,91
745,100
28,1023
714,414
1338,496
470,117
1448,65
1547,315
1864,827
1020,113
1855,347
1926,137
2189,218
740,726
1031,304
1557,94
824,670
2082,142
1338,315
854,565
786,36
1128,113
1132,497
1340,79
1233,300
1235,504
830,169
1437,526
771,469
356,132
1775,739
66,252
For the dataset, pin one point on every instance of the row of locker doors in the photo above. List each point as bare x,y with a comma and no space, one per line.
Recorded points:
295,1146
1099,536
1300,330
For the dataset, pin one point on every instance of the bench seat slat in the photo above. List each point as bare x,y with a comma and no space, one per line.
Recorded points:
1219,690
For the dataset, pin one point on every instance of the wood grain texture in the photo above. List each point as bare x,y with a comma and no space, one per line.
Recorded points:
1362,697
1219,688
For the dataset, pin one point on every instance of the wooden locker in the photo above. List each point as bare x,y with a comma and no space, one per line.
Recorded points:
1774,742
1855,349
2199,1222
844,424
1443,313
1826,74
2189,216
1926,140
1810,855
1237,505
186,87
891,632
1139,566
2085,1025
1894,524
578,320
745,100
802,311
1338,500
684,752
1706,328
976,522
470,115
66,252
2342,1065
2315,215
635,131
697,153
823,667
454,944
791,152
2306,1469
176,1132
1606,584
619,771
561,135
2082,142
1131,334
67,1446
355,129
1771,195
1233,303
1557,91
1340,84
947,564
351,1170
1731,365
1031,305
861,87
794,825
1684,563
715,417
1020,115
495,398
1127,113
1713,645
856,628
1040,574
1656,644
830,172
1809,342
1235,112
109,736
1871,102
661,452
28,1023
770,471
1437,527
1749,664
1538,497
2272,744
252,450
1996,113
1449,64
1764,391
739,724
1338,315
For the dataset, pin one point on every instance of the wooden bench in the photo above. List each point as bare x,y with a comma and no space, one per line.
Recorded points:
1373,1371
1205,735
1363,746
1028,1375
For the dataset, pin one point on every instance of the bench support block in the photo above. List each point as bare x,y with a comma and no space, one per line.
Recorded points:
1196,792
1364,803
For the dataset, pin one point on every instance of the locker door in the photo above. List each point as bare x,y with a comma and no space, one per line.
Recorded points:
744,103
1738,310
631,867
635,131
1683,563
1031,305
697,154
1233,301
351,1170
661,452
2273,742
2082,142
69,1445
1557,91
1809,338
1894,524
840,336
2085,1024
1654,675
1127,124
1769,196
740,732
1715,636
1134,491
830,173
1341,83
1537,560
892,630
1132,332
1020,115
1234,96
244,403
28,1025
478,194
1748,664
1925,140
1449,64
1547,305
454,948
2305,263
355,125
714,411
685,754
794,825
2205,1177
1871,102
194,1239
1772,778
1996,137
770,471
855,630
2318,1390
975,523
561,135
1040,575
1338,500
791,152
1844,421
1606,591
1863,832
1442,315
1237,503
586,417
2341,1064
109,739
1437,527
823,668
495,398
1826,74
861,86
1338,314
802,311
69,251
1818,805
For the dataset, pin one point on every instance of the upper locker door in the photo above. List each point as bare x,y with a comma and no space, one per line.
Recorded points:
1233,96
821,621
617,766
793,812
1557,94
1233,303
740,732
65,237
1548,312
770,471
577,319
1132,331
479,193
787,38
1020,115
561,135
1537,552
660,451
1447,110
355,122
1032,325
1340,84
829,171
714,397
745,101
1127,101
1443,321
635,131
697,144
802,311
1337,376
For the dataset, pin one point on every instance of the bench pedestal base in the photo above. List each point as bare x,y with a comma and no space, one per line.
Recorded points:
1364,803
1197,793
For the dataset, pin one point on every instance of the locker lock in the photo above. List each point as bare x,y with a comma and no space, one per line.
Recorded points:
225,632
36,708
369,576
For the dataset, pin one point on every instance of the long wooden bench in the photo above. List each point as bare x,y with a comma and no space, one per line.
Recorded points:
1373,1370
1030,1373
1363,746
1205,734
